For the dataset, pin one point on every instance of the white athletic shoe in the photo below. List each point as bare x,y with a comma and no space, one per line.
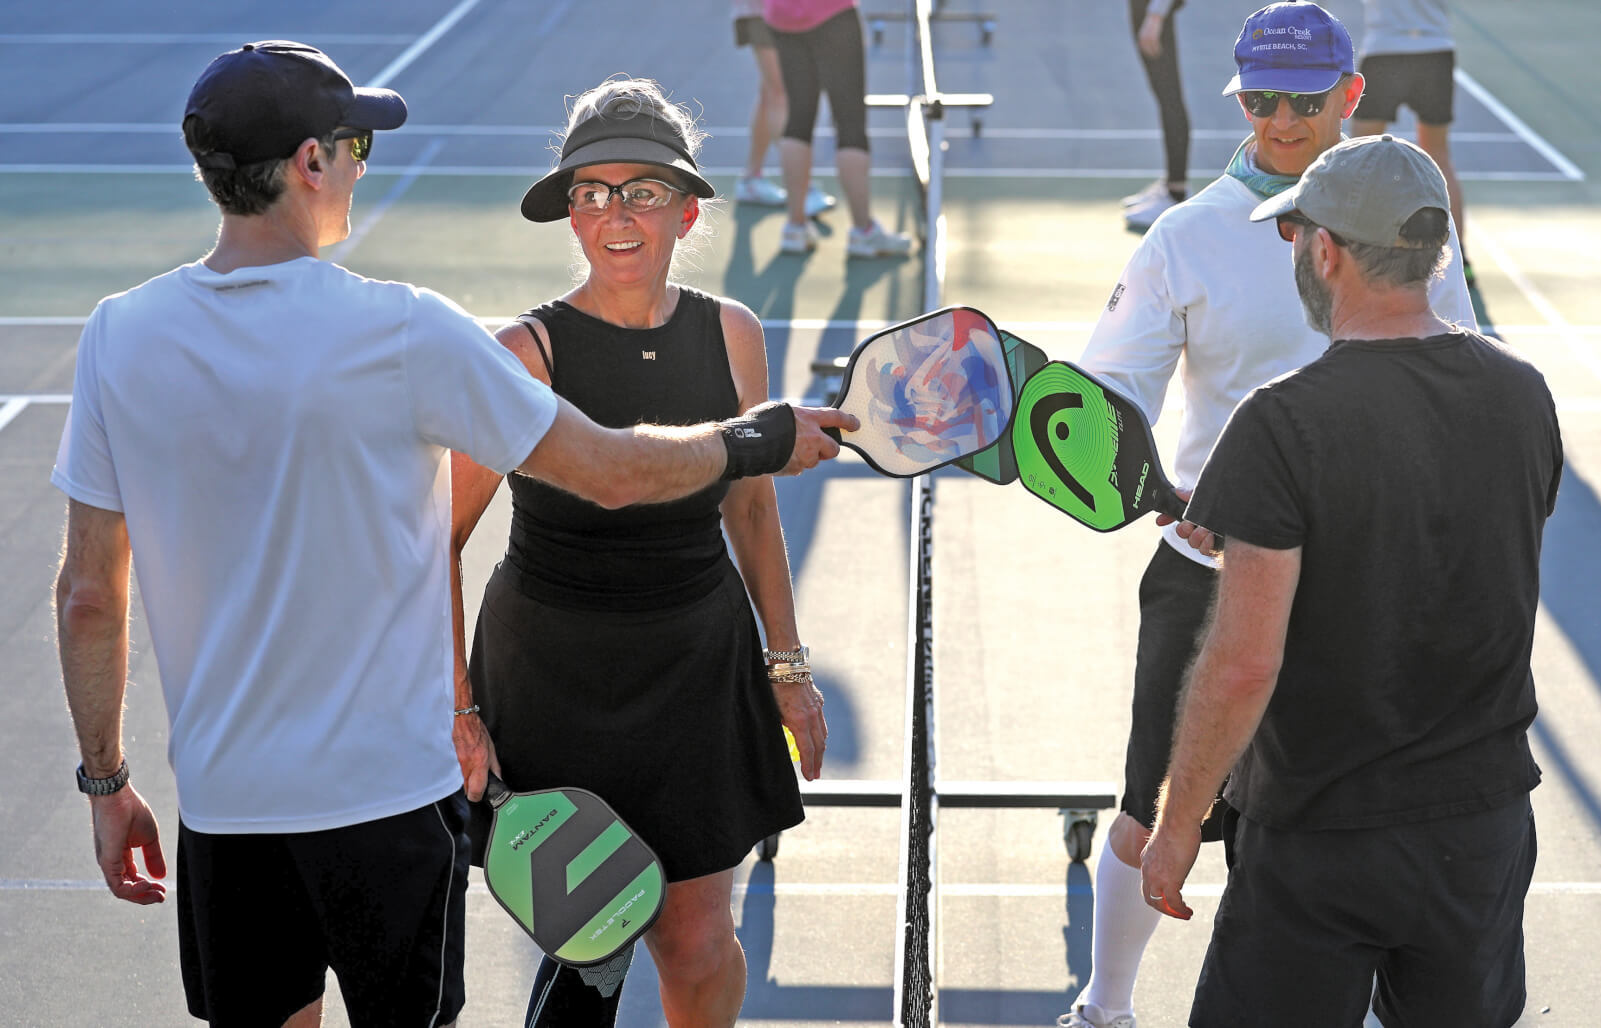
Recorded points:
818,201
1080,1017
1143,215
797,239
877,241
759,191
1159,186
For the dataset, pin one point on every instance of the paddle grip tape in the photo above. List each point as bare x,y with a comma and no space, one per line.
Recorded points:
760,442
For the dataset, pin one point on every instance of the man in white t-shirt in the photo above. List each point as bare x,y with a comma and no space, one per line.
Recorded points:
1209,286
263,434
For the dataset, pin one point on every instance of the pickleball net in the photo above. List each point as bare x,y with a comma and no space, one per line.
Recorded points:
916,994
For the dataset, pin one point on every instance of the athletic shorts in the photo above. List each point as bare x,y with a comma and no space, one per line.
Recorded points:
1175,601
1434,910
752,32
1420,81
261,919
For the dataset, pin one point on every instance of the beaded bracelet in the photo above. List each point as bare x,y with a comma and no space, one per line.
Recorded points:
467,710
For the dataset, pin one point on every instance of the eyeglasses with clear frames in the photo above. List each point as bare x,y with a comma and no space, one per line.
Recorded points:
639,194
360,141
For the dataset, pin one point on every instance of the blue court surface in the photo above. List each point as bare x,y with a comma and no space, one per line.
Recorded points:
1034,617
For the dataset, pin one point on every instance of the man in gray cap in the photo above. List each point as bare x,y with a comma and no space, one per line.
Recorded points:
264,434
1366,672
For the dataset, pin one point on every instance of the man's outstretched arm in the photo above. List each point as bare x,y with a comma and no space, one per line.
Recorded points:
653,463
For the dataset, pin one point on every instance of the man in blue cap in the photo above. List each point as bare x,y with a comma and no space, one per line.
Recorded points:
264,433
1210,295
1365,681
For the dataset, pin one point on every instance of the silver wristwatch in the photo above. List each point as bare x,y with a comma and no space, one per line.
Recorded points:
103,786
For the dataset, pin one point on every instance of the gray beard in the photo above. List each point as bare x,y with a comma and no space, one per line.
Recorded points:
1316,300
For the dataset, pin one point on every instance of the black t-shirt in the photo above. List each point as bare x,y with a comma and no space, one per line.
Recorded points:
1416,476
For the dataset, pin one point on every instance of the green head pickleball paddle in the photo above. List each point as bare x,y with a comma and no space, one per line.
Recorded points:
571,873
1087,450
998,463
928,392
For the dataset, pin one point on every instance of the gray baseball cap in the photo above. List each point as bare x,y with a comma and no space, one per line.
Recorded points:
1364,189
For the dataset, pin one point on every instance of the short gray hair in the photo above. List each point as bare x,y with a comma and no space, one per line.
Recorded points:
1425,259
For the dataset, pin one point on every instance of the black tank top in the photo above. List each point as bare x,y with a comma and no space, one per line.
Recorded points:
578,555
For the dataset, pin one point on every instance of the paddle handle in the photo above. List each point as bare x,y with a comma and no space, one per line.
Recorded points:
495,791
1166,500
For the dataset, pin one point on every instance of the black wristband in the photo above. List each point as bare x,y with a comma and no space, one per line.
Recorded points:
760,442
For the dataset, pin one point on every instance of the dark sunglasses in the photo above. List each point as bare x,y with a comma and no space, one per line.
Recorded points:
1295,221
1264,103
360,142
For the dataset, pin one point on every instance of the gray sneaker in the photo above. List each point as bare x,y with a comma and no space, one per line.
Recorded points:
1143,215
1159,186
877,241
797,239
759,191
818,201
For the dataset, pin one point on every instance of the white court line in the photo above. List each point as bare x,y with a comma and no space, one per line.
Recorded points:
10,409
1584,354
965,890
341,249
532,171
716,131
426,40
169,38
1516,124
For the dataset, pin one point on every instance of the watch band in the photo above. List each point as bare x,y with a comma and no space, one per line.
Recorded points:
796,656
103,786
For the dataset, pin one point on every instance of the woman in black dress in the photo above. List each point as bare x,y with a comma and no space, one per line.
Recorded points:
617,650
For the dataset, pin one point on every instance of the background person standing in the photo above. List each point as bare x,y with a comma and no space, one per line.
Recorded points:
1409,58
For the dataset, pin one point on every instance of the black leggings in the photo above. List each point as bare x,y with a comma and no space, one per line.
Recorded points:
1163,74
829,58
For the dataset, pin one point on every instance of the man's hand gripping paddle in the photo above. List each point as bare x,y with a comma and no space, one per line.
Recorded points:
928,392
571,874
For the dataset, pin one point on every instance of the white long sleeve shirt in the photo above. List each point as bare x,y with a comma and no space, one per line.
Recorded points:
1211,287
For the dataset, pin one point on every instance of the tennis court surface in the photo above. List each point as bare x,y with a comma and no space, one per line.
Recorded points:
1033,618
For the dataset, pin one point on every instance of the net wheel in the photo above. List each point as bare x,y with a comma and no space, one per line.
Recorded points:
1079,836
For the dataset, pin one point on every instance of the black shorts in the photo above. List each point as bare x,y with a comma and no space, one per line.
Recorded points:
1420,81
261,919
1433,909
752,31
1175,600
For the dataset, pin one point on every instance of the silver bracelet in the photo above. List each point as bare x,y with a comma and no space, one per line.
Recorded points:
798,654
467,710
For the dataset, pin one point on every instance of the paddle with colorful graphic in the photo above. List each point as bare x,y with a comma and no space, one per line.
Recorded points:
571,873
928,392
998,463
1087,450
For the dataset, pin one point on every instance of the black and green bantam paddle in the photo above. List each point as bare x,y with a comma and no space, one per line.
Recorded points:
571,873
1087,450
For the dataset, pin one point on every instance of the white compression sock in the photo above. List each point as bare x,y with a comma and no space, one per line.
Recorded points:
1124,923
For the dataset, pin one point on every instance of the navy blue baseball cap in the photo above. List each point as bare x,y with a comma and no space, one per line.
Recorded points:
1293,47
260,102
